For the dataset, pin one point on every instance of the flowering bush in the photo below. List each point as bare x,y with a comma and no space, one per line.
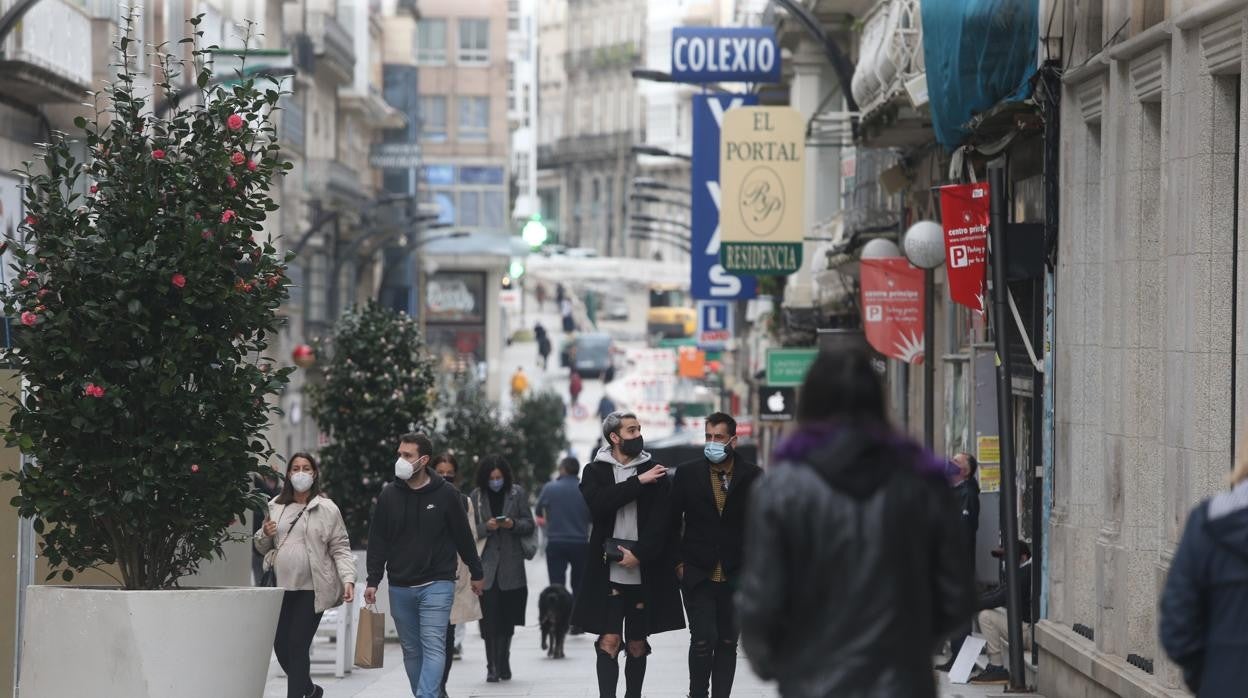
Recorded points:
145,305
377,385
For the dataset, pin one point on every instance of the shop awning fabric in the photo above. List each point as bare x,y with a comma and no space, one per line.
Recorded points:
977,53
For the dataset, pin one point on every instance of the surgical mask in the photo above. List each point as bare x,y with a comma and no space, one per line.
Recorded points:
497,485
632,447
302,481
403,470
716,452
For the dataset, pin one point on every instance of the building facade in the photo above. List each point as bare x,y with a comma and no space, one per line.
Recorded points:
585,156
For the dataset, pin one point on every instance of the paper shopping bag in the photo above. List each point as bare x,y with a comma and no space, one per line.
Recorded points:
370,638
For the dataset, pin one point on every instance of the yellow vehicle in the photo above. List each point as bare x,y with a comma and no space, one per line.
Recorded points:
671,316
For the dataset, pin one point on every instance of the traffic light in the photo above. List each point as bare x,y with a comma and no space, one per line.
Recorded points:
534,232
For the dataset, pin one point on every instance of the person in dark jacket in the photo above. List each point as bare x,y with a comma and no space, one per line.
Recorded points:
992,618
566,517
966,489
503,519
855,560
1204,607
417,534
634,594
709,500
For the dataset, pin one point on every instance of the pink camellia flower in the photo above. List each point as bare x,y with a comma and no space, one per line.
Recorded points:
93,390
94,188
178,280
227,215
196,215
43,292
194,467
29,319
235,122
32,274
251,165
230,181
158,154
206,234
238,158
25,283
31,220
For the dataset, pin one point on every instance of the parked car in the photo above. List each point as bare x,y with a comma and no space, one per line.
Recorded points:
615,308
591,355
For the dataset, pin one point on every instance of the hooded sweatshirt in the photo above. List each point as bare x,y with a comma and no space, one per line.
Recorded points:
415,536
626,527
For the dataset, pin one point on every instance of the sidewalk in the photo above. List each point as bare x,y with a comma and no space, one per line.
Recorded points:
536,675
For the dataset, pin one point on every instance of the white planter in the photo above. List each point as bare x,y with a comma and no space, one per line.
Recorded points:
110,643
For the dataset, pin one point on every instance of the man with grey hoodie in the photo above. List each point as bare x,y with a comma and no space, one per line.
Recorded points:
630,589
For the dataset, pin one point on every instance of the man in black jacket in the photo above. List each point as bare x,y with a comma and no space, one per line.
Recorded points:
417,533
966,489
709,499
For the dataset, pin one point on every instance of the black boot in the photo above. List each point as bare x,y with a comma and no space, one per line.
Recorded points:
608,674
700,662
491,659
634,675
725,669
504,657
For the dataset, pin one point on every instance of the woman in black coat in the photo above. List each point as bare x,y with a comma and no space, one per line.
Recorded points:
611,483
1204,608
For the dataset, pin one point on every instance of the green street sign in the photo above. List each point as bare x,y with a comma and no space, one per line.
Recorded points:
788,367
761,258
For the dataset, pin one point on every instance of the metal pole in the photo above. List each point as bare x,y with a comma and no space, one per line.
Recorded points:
1005,419
929,359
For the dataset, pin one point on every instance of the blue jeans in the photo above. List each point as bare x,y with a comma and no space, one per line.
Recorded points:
421,615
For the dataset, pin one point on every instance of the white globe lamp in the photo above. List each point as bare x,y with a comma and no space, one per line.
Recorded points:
924,243
880,248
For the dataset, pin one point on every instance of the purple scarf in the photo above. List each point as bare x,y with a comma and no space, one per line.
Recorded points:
810,437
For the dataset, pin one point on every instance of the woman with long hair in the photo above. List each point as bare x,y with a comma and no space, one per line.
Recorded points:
855,559
1204,607
503,519
465,607
304,543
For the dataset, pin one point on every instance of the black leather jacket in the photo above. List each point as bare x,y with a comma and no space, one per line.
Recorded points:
855,567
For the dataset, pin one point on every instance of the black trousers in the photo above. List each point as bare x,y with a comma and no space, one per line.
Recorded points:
560,556
713,632
295,628
626,617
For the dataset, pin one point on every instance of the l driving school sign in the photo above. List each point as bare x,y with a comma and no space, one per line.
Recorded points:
764,188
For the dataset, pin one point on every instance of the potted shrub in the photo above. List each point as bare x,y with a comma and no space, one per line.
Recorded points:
143,303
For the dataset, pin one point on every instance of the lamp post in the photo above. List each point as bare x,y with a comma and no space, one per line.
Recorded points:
924,243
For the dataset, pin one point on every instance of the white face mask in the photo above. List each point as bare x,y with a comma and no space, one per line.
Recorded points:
302,481
403,470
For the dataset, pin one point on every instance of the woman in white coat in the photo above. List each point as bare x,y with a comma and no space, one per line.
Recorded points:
305,543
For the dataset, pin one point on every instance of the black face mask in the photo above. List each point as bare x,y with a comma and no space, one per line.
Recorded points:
632,447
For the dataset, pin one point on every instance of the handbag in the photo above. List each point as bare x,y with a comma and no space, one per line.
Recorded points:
268,578
611,549
528,545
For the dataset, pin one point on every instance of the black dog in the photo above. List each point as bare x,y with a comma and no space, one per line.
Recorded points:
554,608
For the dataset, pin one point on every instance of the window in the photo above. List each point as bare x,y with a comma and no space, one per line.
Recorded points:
474,118
474,41
431,42
495,209
470,208
433,118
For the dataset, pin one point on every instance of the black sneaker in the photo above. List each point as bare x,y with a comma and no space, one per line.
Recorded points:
317,692
946,666
458,653
575,630
992,674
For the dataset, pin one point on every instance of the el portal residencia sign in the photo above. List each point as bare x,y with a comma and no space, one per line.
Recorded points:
763,186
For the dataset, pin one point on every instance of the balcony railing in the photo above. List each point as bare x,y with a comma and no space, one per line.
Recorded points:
891,54
333,180
333,44
47,58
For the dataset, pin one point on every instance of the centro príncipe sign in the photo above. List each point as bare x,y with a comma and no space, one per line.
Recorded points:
725,54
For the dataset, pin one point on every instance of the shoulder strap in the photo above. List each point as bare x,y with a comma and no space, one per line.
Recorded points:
292,526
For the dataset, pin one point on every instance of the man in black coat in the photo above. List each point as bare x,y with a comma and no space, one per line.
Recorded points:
709,499
630,588
966,489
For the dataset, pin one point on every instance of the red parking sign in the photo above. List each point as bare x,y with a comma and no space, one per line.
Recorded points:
964,217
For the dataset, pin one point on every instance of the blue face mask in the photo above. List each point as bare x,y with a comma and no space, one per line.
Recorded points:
497,485
715,452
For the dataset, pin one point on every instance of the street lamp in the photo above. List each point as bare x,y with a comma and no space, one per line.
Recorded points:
651,75
659,152
924,243
641,218
652,199
651,183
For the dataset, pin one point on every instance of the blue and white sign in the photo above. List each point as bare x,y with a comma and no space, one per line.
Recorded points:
725,54
715,320
709,280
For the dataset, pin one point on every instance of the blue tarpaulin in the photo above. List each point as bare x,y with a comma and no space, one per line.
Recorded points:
977,53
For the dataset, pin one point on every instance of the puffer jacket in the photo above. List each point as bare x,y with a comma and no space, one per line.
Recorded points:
855,566
333,564
1204,607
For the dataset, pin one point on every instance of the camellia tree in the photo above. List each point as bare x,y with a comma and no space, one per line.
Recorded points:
539,425
377,385
145,302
